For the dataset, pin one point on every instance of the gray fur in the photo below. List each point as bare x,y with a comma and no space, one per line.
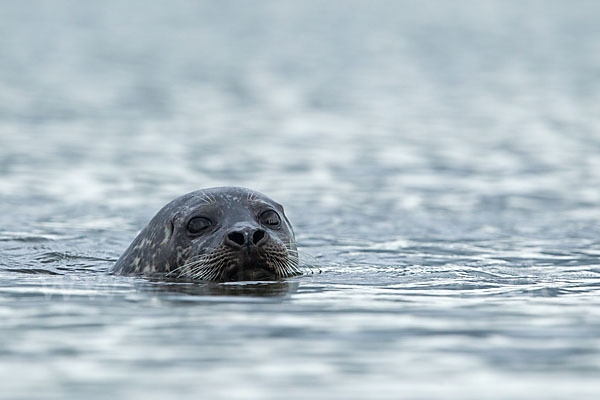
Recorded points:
165,247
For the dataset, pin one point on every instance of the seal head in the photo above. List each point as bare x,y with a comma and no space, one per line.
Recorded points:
216,234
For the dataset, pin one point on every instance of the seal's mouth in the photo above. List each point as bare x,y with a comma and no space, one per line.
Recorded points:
271,262
251,270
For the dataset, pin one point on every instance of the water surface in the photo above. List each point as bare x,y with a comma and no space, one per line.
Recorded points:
440,163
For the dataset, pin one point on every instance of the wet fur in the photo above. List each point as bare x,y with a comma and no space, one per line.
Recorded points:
161,248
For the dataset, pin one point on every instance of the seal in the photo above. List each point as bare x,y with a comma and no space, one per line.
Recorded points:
218,234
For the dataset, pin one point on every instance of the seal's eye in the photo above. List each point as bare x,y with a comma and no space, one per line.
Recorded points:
270,218
198,224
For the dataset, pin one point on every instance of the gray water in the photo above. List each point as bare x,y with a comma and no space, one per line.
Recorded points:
440,162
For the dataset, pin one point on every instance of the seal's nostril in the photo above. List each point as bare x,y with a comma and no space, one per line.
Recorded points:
258,236
237,237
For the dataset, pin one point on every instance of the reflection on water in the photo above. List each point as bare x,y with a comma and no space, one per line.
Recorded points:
246,289
439,161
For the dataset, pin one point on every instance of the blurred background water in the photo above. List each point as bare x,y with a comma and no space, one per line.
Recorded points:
440,162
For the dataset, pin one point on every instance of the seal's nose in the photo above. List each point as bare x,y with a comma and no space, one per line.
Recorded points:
246,237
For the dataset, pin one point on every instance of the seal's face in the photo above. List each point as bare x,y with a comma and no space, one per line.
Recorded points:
218,234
